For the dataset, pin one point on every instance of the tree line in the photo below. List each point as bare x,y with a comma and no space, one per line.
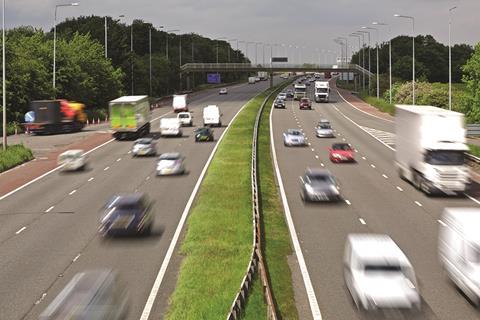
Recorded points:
82,72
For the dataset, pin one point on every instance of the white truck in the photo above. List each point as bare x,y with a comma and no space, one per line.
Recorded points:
430,149
299,91
170,127
322,91
212,116
180,103
252,80
263,75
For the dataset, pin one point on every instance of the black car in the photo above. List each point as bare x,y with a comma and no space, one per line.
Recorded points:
127,215
279,103
203,134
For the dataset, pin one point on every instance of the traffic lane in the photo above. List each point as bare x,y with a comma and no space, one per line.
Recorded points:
170,199
387,210
321,227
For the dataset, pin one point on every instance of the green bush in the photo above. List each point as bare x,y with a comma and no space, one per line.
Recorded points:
13,156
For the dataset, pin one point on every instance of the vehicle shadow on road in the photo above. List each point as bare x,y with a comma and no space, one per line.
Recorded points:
155,235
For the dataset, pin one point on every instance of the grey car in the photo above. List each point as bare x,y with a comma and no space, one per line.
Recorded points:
319,185
294,137
144,147
279,103
170,164
324,130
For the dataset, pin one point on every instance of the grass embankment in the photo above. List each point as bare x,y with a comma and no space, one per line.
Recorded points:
380,104
14,156
218,241
277,245
474,150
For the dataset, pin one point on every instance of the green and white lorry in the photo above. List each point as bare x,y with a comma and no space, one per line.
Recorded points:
130,117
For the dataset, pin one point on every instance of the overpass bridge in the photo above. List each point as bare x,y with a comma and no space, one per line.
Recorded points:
189,68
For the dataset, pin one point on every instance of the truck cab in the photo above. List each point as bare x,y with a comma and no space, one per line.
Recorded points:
299,91
322,91
180,103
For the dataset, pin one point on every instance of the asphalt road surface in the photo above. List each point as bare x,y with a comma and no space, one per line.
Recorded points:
48,230
376,200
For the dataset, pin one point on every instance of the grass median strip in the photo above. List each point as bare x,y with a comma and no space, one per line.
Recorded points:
14,156
277,246
218,241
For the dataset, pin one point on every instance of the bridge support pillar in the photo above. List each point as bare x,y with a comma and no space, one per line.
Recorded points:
271,79
188,82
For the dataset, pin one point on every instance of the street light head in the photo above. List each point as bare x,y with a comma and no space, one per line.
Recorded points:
364,28
396,15
74,4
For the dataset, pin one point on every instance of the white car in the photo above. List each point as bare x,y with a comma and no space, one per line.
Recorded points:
144,147
72,160
170,164
223,91
282,96
185,118
324,130
294,137
378,275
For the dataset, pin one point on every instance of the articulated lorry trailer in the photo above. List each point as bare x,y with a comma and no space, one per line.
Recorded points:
130,117
56,116
430,149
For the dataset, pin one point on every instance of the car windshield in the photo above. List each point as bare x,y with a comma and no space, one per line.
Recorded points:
305,100
382,268
183,116
301,90
324,126
294,132
320,178
67,157
344,147
144,141
445,157
322,90
169,157
473,253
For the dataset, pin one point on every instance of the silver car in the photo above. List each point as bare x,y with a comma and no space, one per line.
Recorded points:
294,137
319,185
144,147
170,164
324,130
282,95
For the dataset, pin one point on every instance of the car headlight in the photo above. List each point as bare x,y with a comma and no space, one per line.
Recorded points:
309,188
336,155
334,190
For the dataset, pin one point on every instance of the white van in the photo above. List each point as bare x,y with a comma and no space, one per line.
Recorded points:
170,127
72,160
459,249
185,118
211,116
180,103
378,274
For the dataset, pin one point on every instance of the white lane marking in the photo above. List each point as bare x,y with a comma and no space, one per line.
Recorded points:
362,110
316,157
21,230
348,202
418,204
147,178
472,198
166,261
322,164
106,168
90,179
49,172
313,150
372,165
364,158
399,189
49,209
76,257
72,192
362,221
312,299
119,159
41,298
442,223
385,176
129,152
309,144
344,139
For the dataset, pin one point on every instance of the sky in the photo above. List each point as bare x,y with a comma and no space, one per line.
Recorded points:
306,28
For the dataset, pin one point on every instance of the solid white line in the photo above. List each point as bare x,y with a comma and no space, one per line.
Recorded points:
472,198
418,204
385,176
399,189
312,299
50,209
21,230
106,168
362,110
362,221
91,179
49,172
442,223
166,261
72,192
76,258
348,202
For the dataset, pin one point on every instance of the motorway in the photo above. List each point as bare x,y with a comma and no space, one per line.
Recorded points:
48,230
376,200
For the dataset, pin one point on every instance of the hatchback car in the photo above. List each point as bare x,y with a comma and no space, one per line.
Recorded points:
279,103
305,103
223,91
319,185
341,152
324,130
144,147
203,134
127,215
170,164
294,137
378,275
72,160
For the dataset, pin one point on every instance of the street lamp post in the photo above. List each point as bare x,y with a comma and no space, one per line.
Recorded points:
73,4
346,56
369,58
413,50
4,97
166,45
150,56
389,57
229,48
378,40
216,41
359,52
450,57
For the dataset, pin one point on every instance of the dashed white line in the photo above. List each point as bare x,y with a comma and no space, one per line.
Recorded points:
372,165
129,152
147,178
348,202
344,139
316,157
385,176
313,150
50,209
21,230
119,159
364,158
41,298
362,221
309,144
442,223
322,164
76,257
91,179
399,189
106,168
418,204
72,192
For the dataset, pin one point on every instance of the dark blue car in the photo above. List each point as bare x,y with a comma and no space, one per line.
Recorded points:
127,215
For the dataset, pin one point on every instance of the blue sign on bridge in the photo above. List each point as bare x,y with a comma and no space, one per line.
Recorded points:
213,78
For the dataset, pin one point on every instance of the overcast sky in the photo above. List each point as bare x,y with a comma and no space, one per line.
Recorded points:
312,24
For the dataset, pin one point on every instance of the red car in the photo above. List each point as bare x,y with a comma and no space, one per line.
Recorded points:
305,103
341,152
